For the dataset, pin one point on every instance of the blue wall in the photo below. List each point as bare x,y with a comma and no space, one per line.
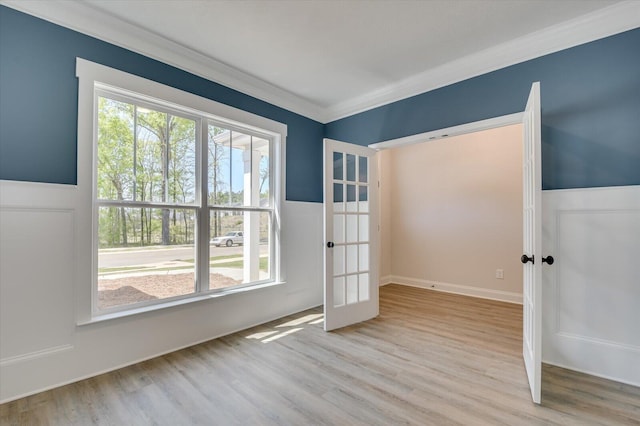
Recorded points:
590,108
590,111
39,95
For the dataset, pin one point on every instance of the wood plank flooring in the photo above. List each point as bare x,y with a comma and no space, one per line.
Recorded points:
429,359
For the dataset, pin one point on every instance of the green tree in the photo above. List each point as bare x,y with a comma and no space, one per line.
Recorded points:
218,155
115,163
166,165
144,155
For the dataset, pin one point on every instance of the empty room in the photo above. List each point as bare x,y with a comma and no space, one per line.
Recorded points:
318,212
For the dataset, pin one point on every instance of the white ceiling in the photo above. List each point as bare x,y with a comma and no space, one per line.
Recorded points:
328,59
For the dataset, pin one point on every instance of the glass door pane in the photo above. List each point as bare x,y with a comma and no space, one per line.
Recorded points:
350,228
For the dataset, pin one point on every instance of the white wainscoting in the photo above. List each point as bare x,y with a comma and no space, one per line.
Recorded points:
304,241
37,242
465,290
41,347
591,294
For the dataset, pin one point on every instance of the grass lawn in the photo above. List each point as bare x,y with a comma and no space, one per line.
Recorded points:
264,264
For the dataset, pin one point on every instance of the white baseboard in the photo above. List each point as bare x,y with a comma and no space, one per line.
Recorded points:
387,279
483,293
591,372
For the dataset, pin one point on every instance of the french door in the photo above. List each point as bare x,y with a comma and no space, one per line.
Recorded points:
351,234
532,243
351,237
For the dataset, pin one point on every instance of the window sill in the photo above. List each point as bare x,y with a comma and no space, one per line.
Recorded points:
173,303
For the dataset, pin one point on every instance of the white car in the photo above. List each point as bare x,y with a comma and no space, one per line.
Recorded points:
229,239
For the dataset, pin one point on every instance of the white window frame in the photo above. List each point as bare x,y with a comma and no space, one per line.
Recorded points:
93,81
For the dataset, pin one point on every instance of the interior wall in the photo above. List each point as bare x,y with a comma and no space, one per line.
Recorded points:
453,211
37,79
589,102
590,294
40,344
40,208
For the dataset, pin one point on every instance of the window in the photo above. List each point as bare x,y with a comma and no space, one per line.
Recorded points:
185,200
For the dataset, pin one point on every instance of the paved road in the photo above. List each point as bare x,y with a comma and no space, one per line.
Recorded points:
114,259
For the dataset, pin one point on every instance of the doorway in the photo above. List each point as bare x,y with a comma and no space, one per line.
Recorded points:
451,214
531,229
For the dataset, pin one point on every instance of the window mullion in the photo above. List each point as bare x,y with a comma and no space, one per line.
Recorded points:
135,152
144,204
230,167
165,159
202,223
274,252
242,209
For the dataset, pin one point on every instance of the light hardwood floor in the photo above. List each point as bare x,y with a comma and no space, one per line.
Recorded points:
429,359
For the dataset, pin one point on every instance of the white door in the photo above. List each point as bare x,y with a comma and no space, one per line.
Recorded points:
532,243
351,234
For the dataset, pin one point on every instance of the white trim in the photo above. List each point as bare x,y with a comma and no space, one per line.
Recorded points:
33,355
473,291
162,92
94,76
24,194
82,17
173,302
602,23
387,279
596,341
476,126
590,372
584,196
465,290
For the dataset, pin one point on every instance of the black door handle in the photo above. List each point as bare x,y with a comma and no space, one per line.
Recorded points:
330,244
549,260
525,259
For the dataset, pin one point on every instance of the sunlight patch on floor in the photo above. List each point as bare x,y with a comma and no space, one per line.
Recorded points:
261,335
280,335
271,335
302,320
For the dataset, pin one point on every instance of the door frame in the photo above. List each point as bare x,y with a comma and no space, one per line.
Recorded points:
476,126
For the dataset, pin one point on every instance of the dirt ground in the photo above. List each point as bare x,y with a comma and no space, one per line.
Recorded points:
124,291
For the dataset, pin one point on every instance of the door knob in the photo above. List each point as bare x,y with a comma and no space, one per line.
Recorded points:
525,259
549,260
330,244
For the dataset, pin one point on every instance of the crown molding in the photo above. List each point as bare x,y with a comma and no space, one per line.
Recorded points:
602,23
84,18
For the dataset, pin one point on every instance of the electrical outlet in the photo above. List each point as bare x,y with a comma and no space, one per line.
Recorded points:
500,274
